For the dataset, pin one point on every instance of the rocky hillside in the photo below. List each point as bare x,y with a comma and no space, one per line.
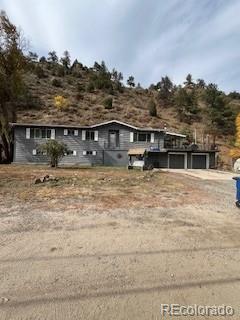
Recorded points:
93,95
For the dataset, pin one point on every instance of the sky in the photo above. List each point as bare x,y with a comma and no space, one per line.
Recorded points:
144,38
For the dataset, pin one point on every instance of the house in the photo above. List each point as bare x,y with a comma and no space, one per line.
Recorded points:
111,143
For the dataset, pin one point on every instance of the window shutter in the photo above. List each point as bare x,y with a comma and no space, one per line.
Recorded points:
27,133
94,153
52,134
74,152
95,135
131,136
84,153
65,132
152,137
76,132
34,152
83,134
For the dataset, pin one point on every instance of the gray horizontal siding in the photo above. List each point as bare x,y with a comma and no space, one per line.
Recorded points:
23,147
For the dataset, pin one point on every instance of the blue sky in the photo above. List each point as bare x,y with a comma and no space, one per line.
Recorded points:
144,38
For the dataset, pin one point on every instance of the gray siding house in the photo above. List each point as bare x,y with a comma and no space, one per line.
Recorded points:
111,143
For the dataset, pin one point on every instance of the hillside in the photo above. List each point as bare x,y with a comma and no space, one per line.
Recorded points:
86,103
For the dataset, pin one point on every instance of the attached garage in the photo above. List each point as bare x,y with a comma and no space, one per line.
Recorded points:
200,161
177,160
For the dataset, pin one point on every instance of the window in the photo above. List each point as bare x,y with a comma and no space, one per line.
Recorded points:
90,135
37,133
70,132
142,137
89,153
37,152
71,153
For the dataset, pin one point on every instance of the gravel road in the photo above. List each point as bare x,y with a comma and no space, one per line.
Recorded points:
121,263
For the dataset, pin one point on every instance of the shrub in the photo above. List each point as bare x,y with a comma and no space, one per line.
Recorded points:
60,71
90,87
108,103
80,87
54,150
40,72
56,83
152,108
60,102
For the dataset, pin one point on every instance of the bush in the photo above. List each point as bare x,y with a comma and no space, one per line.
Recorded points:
152,108
61,103
60,71
40,72
108,103
80,87
54,150
90,87
56,83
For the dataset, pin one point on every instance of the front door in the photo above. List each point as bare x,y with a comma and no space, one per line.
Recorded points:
113,137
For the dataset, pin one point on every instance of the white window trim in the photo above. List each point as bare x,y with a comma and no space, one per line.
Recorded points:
83,135
34,152
74,153
182,153
65,132
201,154
84,152
76,132
28,133
95,135
131,136
152,137
52,134
94,153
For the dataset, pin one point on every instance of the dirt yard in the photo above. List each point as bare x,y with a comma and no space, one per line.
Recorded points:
103,243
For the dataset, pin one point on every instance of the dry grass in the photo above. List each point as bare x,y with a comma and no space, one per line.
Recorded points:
99,188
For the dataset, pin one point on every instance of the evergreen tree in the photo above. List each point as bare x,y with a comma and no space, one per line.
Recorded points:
165,88
189,80
131,82
66,60
52,57
152,108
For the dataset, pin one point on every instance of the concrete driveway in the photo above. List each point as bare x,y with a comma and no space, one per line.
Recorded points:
205,174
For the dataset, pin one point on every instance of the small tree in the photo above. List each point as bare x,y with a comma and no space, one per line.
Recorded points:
56,83
55,151
235,152
52,57
60,102
201,83
32,56
130,82
42,60
189,80
165,89
39,72
108,103
66,60
152,108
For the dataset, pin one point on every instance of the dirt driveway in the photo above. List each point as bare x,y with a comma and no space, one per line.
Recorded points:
204,174
108,244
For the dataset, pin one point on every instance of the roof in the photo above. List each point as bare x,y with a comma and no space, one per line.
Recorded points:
136,151
85,127
95,126
176,134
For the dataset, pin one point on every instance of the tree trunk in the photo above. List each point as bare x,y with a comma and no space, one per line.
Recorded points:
6,148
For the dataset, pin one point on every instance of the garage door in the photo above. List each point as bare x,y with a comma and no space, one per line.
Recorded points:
176,161
199,161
